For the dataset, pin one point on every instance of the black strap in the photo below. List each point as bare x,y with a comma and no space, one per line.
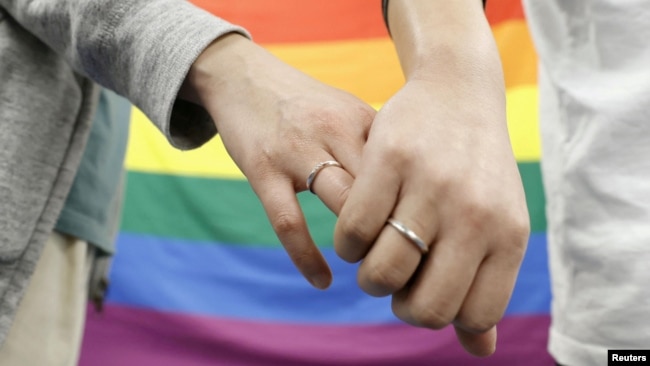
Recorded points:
384,11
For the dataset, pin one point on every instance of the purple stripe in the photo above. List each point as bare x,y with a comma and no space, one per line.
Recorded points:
134,336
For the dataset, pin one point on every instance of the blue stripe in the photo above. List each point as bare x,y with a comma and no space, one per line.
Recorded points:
261,283
532,294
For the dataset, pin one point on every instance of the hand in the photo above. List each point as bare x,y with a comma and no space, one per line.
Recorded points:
438,159
277,124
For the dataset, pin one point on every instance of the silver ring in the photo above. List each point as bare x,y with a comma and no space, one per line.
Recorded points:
320,166
409,234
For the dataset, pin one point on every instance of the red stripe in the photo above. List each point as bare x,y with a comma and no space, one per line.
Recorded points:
499,11
284,21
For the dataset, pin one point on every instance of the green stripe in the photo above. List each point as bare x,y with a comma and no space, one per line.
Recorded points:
205,209
531,175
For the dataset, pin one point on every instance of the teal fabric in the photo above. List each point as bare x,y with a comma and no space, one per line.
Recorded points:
91,211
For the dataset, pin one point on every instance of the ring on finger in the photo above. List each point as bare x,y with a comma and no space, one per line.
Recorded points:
320,166
409,234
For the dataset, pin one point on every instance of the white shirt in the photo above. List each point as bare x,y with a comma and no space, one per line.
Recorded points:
595,120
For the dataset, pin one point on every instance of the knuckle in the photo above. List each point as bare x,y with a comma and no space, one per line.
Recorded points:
515,234
353,236
264,157
477,325
478,213
263,162
286,223
367,115
430,316
520,230
327,122
355,230
396,153
516,243
381,279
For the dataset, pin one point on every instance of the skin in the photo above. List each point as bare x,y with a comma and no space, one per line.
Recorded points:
436,157
277,124
441,151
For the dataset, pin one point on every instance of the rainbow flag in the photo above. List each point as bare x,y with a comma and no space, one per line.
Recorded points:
199,277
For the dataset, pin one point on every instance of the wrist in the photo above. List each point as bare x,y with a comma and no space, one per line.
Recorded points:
215,68
450,63
434,38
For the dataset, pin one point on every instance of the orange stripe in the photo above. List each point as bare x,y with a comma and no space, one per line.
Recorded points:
498,11
284,21
517,53
368,68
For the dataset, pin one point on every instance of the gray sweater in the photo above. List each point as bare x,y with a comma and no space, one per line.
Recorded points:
51,54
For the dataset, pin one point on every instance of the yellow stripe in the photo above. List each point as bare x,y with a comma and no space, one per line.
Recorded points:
517,53
523,122
149,151
368,68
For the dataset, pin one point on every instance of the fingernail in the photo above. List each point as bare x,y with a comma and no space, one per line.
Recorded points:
320,281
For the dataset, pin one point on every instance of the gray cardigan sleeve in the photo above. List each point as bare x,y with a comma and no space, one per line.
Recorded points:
142,49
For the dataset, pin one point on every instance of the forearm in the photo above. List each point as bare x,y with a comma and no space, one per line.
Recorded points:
439,39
